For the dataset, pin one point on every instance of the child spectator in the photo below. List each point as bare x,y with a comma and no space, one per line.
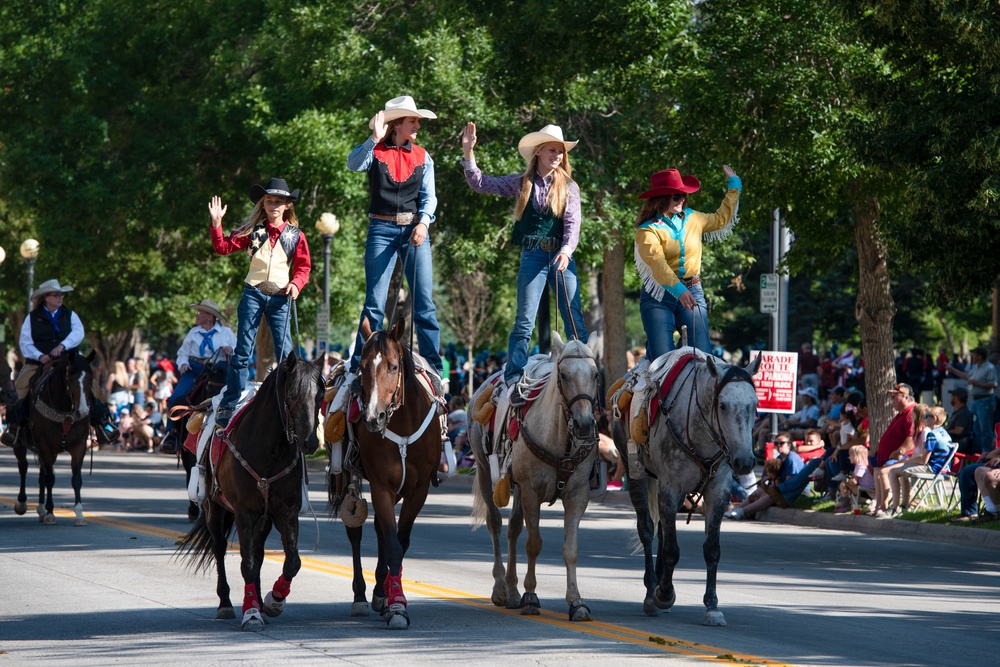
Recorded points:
929,456
862,479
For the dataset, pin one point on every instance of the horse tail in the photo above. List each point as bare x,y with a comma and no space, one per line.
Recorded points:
478,503
198,546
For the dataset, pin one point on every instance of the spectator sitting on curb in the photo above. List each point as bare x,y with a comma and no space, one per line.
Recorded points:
969,488
791,463
929,457
782,494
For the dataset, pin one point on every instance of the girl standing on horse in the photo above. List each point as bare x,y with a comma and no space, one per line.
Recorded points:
402,201
279,271
668,242
546,226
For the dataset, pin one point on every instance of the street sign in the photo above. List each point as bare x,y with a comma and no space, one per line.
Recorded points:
769,292
322,328
775,381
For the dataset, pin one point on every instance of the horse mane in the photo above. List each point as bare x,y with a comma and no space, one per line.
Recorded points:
296,381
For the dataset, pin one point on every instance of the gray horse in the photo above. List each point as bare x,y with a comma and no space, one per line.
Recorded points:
700,437
551,459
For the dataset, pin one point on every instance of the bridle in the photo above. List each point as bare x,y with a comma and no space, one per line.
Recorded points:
398,398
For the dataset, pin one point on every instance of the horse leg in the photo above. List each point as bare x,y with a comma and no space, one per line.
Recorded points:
385,512
288,528
218,521
717,503
46,480
531,506
664,595
77,476
494,524
21,453
639,492
514,525
250,536
360,605
573,509
379,604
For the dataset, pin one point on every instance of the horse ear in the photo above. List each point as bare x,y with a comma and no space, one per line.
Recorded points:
291,359
557,344
755,364
593,341
366,329
318,363
397,329
712,368
91,356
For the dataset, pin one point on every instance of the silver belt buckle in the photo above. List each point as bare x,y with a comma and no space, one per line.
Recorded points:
403,219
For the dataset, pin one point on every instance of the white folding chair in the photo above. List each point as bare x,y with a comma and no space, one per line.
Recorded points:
926,486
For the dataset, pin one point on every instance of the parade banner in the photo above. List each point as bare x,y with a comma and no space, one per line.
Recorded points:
776,381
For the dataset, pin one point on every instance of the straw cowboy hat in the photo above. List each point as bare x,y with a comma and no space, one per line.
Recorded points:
401,107
48,287
531,141
210,307
275,186
670,182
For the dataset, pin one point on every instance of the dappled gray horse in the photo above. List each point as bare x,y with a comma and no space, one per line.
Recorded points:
700,436
552,456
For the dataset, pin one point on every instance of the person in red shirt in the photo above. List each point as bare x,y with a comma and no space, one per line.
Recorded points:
896,442
279,270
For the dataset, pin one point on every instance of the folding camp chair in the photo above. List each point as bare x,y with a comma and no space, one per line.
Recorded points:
925,486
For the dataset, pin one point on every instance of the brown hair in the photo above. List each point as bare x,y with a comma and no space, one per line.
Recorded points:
258,216
653,206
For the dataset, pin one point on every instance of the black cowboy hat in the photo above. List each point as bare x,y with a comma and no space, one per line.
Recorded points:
275,186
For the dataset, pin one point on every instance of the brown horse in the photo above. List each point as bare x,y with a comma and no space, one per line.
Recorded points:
400,448
257,483
61,401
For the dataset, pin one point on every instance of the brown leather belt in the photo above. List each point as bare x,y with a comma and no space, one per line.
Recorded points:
400,219
691,282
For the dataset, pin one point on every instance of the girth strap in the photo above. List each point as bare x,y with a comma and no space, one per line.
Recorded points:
565,466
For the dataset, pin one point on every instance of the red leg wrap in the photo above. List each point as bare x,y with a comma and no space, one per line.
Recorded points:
394,590
250,598
281,588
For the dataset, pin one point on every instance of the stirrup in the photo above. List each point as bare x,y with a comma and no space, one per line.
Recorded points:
222,416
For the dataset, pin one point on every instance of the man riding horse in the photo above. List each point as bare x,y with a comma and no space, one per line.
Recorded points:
49,330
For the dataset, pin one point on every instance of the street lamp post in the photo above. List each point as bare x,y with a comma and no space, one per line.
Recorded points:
327,225
29,251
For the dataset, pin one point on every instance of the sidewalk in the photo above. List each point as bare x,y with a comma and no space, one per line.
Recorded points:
957,535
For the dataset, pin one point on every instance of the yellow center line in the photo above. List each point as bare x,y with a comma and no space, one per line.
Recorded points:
596,628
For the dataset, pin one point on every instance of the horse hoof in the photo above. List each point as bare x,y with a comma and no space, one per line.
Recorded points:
272,606
252,621
714,618
379,606
359,608
499,600
660,602
578,611
397,618
649,608
79,522
20,508
225,613
48,519
530,605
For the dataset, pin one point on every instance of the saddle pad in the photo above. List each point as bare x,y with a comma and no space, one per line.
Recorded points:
676,365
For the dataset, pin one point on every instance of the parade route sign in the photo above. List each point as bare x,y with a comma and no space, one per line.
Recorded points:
775,381
769,292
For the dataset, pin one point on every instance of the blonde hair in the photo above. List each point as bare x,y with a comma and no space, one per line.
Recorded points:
558,192
258,217
858,454
919,410
939,415
121,373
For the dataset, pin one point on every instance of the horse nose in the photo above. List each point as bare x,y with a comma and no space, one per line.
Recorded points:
744,464
585,428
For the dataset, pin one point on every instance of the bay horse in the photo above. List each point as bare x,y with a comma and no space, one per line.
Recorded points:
256,483
551,458
700,437
60,403
399,449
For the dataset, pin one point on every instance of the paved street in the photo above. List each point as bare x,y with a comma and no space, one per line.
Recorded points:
110,592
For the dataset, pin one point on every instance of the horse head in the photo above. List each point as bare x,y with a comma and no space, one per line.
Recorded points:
575,370
383,366
303,389
734,408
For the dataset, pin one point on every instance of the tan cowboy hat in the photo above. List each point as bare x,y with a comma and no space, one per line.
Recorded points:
402,107
50,286
210,307
531,141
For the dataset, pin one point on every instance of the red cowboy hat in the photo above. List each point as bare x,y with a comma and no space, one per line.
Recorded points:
670,182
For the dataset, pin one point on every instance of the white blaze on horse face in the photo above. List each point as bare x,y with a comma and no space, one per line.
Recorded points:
372,412
84,407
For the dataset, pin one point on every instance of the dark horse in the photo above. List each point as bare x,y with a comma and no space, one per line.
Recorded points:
257,482
61,402
400,449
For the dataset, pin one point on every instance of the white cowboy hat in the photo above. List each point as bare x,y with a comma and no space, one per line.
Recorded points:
50,286
402,107
529,142
210,307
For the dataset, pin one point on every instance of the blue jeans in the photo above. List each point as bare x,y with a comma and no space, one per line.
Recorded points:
982,426
253,306
661,318
536,269
793,487
968,488
185,382
386,242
